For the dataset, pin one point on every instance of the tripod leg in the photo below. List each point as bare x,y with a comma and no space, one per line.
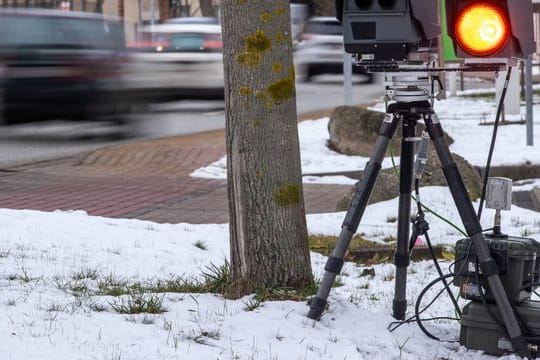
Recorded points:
474,231
402,256
354,215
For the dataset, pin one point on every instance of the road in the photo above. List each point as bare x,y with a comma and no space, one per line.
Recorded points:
35,142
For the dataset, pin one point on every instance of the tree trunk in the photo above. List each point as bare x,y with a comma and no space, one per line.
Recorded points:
207,8
164,10
269,245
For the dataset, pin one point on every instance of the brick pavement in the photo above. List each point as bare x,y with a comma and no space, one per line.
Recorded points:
147,180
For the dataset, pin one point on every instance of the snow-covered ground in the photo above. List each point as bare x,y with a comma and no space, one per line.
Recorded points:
54,267
461,118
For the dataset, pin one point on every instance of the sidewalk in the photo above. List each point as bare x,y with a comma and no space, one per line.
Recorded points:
147,180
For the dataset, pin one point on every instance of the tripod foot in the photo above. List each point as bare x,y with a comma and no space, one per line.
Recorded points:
316,308
399,308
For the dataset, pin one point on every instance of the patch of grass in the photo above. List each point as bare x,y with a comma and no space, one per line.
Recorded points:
79,288
139,303
201,245
202,336
391,218
56,308
368,272
96,306
25,276
216,278
481,95
280,294
113,286
325,244
338,282
176,285
524,232
83,274
252,304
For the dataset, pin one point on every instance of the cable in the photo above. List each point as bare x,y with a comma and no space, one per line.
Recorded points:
419,300
421,228
426,208
493,139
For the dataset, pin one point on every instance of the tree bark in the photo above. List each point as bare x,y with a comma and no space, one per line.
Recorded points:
269,244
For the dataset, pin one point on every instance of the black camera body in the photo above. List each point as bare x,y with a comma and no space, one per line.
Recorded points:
387,30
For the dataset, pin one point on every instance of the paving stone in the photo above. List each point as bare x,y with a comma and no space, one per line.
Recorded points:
147,180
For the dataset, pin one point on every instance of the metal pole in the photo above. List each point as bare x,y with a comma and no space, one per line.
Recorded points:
347,79
152,13
529,100
153,18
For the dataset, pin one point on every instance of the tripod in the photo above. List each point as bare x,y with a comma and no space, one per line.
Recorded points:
412,105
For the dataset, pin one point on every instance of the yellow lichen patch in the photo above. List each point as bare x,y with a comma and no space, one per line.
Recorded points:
280,11
259,95
249,58
258,42
244,91
277,67
266,17
282,89
279,37
287,195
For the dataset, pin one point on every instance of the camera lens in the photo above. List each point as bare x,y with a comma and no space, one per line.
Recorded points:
363,4
387,4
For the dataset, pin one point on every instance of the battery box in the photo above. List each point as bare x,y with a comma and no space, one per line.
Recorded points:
516,261
479,331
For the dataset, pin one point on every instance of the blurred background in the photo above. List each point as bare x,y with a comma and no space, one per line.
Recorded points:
79,74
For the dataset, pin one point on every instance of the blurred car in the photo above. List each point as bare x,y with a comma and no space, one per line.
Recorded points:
194,20
320,49
179,61
60,65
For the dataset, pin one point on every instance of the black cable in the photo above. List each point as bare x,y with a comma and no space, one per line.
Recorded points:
419,300
526,286
421,227
493,138
395,324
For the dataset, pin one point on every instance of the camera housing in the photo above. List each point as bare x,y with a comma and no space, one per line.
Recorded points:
387,30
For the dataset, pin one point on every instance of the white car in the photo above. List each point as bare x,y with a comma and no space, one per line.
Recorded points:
177,61
320,49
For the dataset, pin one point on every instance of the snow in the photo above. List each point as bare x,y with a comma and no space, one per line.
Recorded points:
46,256
464,119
